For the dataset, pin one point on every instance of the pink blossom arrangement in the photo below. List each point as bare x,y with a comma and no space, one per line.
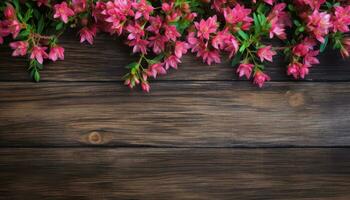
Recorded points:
161,32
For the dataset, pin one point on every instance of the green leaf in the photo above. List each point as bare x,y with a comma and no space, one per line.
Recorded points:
236,59
156,59
256,24
24,34
28,15
243,47
324,45
36,75
132,65
243,35
59,26
41,25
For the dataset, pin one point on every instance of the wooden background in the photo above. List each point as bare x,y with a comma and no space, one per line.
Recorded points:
200,133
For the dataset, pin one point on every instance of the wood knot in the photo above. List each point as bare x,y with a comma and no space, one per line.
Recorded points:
296,99
95,138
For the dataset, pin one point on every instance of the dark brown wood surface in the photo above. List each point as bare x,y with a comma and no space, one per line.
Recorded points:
199,134
147,173
175,114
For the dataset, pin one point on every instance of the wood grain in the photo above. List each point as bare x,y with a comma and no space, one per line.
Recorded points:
106,59
175,114
146,173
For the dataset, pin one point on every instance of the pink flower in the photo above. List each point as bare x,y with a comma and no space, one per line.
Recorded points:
13,27
139,45
310,58
260,78
171,32
318,24
211,56
315,5
87,34
42,2
206,27
278,19
135,31
224,40
265,53
171,61
270,2
293,69
238,14
245,69
20,48
341,19
155,69
145,86
3,31
143,9
155,24
180,48
63,11
56,52
79,5
158,43
167,7
301,49
345,47
39,54
303,70
10,12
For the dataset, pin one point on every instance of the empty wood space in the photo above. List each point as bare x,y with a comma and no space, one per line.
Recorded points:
200,134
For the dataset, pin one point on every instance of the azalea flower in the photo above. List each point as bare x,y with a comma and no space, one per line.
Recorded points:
87,34
63,11
245,69
211,56
260,78
42,2
180,48
135,31
171,32
143,9
139,45
238,14
157,43
341,19
206,27
265,53
79,5
39,54
293,69
155,69
279,19
14,27
171,61
10,12
145,86
56,52
318,24
19,47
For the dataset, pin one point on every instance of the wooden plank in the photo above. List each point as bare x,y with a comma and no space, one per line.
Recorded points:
175,114
140,173
106,59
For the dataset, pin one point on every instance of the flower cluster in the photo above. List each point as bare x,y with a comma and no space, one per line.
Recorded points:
161,32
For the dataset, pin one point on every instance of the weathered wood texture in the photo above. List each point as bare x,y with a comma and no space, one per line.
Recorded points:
146,173
107,58
81,105
176,114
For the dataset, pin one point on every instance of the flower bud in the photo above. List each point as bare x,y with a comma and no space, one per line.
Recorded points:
10,12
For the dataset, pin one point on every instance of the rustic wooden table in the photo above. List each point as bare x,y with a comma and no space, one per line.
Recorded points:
200,133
